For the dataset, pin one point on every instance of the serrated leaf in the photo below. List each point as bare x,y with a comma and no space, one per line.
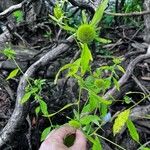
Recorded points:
13,74
93,102
120,121
88,119
26,97
45,133
86,56
74,68
97,145
100,99
99,13
74,124
132,130
121,68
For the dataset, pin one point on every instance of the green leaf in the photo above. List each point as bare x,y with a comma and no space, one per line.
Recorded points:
26,97
74,68
13,74
63,108
34,90
99,13
18,15
88,119
9,53
103,84
86,56
43,107
97,145
120,121
100,99
67,66
58,12
74,124
87,108
127,99
37,110
103,109
45,133
132,130
102,40
121,68
93,102
117,60
117,85
68,28
145,148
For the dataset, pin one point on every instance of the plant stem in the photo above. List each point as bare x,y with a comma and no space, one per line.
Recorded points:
79,100
110,142
21,71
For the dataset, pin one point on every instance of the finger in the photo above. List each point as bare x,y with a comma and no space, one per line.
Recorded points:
58,135
80,141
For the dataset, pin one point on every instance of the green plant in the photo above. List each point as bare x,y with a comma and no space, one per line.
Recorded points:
93,82
18,16
91,114
90,81
87,31
133,6
34,87
10,54
48,34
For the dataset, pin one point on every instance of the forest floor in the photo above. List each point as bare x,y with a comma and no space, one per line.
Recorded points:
40,56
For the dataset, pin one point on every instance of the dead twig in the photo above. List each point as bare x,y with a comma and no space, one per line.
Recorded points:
128,14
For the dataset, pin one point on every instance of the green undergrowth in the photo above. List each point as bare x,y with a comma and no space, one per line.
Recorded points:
91,114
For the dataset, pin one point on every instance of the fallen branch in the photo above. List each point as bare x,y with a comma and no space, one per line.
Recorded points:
5,37
128,14
127,74
20,111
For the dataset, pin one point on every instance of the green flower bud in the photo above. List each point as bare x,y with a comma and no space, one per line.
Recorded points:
86,33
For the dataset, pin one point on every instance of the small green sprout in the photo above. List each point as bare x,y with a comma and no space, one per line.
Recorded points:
9,53
18,15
